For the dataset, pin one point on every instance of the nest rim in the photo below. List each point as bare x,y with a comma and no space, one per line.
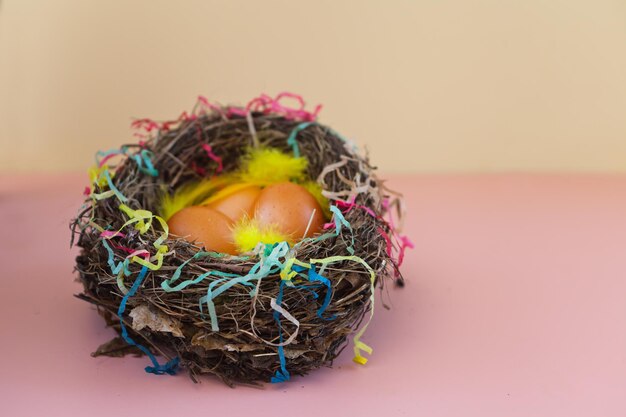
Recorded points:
239,352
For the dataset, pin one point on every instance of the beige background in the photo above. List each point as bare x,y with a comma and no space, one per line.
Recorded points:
460,86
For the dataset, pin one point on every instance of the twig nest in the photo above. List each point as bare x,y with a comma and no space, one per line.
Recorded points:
279,300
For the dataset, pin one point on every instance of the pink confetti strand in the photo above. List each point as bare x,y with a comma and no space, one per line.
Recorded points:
198,169
263,104
109,156
388,243
214,157
131,252
206,104
146,124
405,243
141,252
235,111
350,205
185,117
123,248
109,234
386,203
202,100
266,105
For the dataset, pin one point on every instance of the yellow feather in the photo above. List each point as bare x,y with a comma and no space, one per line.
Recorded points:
247,233
264,166
260,166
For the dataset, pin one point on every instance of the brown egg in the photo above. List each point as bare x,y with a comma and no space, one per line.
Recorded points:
289,207
238,204
204,226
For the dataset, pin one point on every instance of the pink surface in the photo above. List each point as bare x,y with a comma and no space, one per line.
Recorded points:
514,306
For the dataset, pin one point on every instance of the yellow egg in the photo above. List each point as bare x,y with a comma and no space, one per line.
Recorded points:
204,226
289,207
238,203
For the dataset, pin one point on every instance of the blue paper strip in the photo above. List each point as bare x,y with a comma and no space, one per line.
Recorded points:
315,277
157,369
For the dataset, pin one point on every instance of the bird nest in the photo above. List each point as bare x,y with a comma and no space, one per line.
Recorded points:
279,310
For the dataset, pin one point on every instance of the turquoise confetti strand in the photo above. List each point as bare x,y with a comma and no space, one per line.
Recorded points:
340,223
291,140
144,162
115,268
341,220
266,266
100,155
166,285
113,188
143,159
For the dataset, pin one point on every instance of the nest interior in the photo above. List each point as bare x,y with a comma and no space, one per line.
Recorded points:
244,350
